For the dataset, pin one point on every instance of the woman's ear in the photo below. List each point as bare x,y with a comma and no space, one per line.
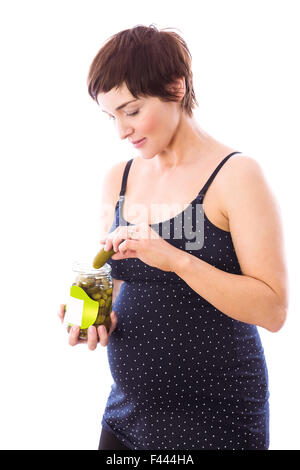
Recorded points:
177,87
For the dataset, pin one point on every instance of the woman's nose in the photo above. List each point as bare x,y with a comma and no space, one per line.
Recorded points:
124,130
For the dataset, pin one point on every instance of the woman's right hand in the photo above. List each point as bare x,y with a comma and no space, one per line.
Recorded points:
94,335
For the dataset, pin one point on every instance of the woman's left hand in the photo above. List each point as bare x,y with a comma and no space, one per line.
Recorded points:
141,241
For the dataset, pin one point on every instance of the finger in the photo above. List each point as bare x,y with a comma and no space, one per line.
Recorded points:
126,254
92,338
115,237
118,236
73,335
113,321
108,245
117,241
108,241
129,246
102,332
123,247
103,336
61,312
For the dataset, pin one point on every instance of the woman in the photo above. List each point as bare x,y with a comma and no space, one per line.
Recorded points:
184,351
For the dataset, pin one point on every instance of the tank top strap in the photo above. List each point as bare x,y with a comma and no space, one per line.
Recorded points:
124,180
202,193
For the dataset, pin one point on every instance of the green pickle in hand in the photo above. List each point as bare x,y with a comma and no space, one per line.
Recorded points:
98,285
102,257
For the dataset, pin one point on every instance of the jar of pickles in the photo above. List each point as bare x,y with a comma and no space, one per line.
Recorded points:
90,301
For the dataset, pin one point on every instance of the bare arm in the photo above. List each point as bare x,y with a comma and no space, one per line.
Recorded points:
110,192
111,186
260,295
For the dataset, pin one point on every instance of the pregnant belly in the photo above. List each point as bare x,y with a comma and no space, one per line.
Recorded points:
178,347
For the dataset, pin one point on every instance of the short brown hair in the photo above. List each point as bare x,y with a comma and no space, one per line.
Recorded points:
147,60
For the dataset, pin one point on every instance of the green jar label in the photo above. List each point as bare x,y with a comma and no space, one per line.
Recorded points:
81,309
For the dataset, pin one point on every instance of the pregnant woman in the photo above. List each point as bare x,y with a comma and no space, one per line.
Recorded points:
199,262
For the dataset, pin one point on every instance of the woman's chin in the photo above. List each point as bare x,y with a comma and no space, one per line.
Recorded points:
146,156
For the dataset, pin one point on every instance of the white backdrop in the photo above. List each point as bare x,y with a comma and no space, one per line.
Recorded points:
55,147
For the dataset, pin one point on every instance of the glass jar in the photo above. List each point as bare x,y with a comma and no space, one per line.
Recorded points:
90,301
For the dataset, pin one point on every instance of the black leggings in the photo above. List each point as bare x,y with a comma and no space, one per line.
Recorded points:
109,442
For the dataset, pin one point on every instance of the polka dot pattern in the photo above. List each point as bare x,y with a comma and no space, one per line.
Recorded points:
185,375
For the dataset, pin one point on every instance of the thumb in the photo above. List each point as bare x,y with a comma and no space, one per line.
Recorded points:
114,321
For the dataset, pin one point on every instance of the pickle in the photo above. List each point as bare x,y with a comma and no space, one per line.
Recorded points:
101,258
92,290
96,296
108,304
99,320
86,282
99,285
104,284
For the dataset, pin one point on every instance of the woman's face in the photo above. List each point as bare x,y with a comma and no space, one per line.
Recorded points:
147,118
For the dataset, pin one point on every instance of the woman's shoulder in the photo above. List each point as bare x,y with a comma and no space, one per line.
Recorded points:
238,168
242,162
113,176
112,181
241,174
117,169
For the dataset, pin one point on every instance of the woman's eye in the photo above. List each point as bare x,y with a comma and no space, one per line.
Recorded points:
129,114
133,114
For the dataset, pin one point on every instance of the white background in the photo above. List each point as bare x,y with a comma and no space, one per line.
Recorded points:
55,147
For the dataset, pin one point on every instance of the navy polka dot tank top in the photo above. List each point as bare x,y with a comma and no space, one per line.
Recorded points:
185,375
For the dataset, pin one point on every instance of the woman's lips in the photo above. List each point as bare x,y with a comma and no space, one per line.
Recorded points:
139,143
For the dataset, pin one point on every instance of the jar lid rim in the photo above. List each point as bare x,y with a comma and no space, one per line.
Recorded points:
85,267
